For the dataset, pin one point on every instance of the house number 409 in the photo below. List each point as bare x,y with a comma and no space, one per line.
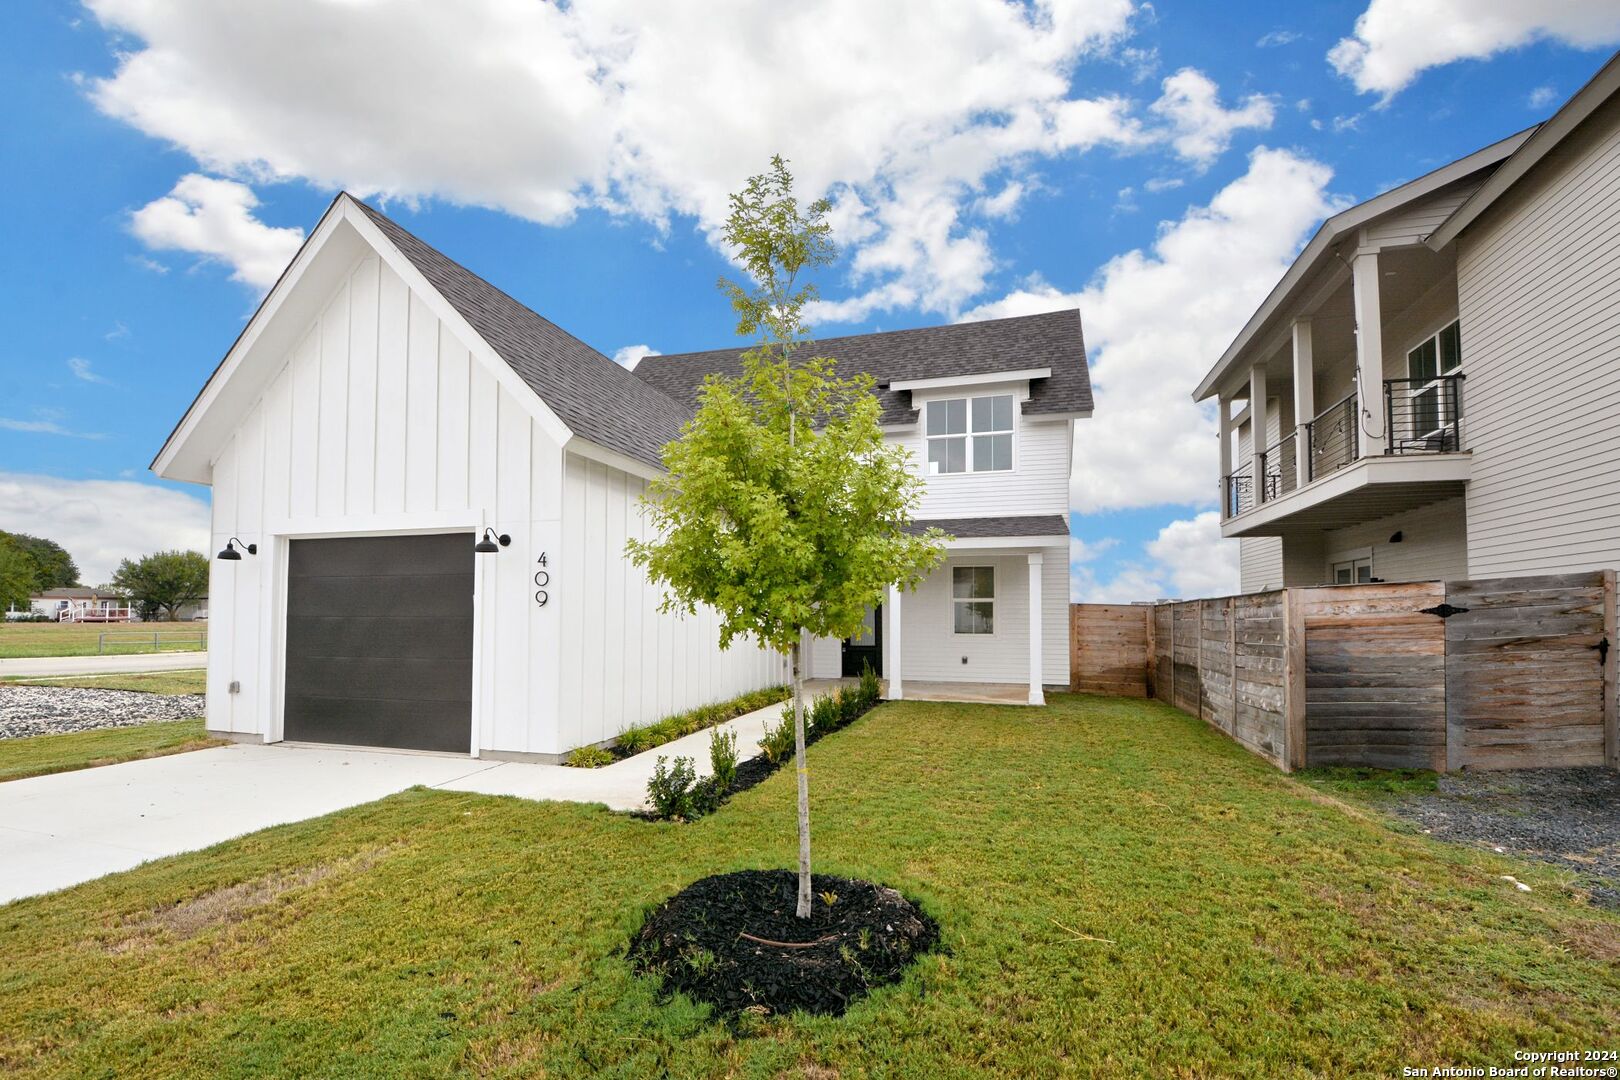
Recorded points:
542,578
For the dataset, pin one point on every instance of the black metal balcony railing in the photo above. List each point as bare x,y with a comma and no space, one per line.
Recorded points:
1424,415
1277,472
1237,491
1334,437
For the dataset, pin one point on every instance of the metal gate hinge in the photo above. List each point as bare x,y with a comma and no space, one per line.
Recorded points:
1603,652
1445,611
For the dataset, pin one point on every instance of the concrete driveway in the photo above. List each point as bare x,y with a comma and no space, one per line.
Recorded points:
67,828
47,666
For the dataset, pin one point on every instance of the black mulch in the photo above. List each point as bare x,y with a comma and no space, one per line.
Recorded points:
695,942
1570,817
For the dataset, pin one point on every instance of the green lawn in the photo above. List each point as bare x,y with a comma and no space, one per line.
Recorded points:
1121,891
43,754
80,639
150,682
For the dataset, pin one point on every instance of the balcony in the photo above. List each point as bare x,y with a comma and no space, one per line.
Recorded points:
1351,475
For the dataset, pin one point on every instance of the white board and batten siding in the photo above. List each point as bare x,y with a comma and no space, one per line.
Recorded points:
381,420
1537,278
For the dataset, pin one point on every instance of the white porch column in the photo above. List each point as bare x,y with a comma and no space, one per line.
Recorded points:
1036,697
1304,399
1373,438
1225,406
892,667
1258,427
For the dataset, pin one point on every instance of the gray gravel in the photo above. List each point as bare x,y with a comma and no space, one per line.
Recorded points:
52,710
1570,817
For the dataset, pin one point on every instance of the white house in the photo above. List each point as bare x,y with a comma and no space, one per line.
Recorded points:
1433,389
385,409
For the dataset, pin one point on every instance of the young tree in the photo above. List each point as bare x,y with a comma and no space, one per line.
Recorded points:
782,507
165,581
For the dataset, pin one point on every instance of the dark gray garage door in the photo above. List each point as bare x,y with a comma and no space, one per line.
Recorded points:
379,641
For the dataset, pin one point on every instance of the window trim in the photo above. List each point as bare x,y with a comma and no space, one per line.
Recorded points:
991,599
1435,338
1353,565
967,436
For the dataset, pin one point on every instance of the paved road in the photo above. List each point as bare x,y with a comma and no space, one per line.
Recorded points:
60,830
46,666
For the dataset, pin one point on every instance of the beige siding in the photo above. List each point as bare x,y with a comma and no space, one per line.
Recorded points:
1260,563
1412,223
1433,547
1539,292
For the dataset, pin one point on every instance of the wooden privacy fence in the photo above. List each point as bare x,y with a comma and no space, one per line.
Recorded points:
1498,673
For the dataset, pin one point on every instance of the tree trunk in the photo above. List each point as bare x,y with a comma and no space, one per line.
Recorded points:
803,911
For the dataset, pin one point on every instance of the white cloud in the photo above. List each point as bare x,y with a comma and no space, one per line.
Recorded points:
1541,97
1278,37
214,218
1202,128
47,424
1163,183
1157,320
1188,559
100,522
83,370
1396,40
919,121
631,355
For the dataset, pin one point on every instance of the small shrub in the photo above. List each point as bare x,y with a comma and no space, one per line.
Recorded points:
590,757
777,743
824,715
635,740
723,758
850,704
670,789
869,685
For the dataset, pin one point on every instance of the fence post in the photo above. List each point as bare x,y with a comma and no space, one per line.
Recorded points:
1611,673
1231,652
1199,684
1293,682
1152,659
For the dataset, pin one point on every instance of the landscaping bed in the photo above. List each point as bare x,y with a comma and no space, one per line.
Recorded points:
734,941
54,710
638,740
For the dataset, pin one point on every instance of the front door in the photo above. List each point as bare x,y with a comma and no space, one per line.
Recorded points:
865,649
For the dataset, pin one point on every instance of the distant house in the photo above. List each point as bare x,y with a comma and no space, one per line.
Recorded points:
386,409
1433,389
80,604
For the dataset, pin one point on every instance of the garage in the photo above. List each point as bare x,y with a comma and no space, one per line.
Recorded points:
380,640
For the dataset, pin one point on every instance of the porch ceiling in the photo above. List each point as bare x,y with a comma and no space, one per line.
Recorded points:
1367,490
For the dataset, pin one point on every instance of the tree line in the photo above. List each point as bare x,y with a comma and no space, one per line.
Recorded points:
157,586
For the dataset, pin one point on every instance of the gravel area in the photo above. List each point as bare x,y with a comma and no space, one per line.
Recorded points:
1570,817
53,710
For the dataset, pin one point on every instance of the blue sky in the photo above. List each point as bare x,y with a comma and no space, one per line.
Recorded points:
1155,164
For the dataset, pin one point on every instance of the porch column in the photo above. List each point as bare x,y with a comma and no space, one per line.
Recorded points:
892,668
1373,438
1258,427
1225,406
1304,400
1036,697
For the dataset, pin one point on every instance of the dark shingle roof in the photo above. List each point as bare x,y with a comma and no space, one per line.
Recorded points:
598,399
995,527
1052,340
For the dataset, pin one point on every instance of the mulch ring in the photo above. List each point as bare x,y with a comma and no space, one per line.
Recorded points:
733,941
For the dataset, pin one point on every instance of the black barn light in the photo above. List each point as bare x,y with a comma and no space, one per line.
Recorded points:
230,554
487,546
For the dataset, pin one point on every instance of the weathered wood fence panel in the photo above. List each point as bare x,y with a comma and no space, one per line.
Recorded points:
1109,648
1375,675
1526,681
1506,673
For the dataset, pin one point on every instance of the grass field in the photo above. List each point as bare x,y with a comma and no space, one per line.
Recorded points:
1121,891
80,639
150,682
42,754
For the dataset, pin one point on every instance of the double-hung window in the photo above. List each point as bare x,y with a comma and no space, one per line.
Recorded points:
970,434
973,599
1433,398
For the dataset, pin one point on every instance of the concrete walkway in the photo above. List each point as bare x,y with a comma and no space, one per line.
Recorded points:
68,828
124,664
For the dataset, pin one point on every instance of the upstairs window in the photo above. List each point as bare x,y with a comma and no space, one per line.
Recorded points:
970,434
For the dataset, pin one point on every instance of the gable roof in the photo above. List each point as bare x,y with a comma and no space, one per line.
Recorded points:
1051,341
596,398
1599,89
1341,225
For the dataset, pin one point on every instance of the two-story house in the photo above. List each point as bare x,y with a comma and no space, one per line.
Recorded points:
422,492
1432,391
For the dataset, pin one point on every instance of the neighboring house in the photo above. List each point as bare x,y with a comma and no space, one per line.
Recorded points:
1433,389
80,604
987,411
386,407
